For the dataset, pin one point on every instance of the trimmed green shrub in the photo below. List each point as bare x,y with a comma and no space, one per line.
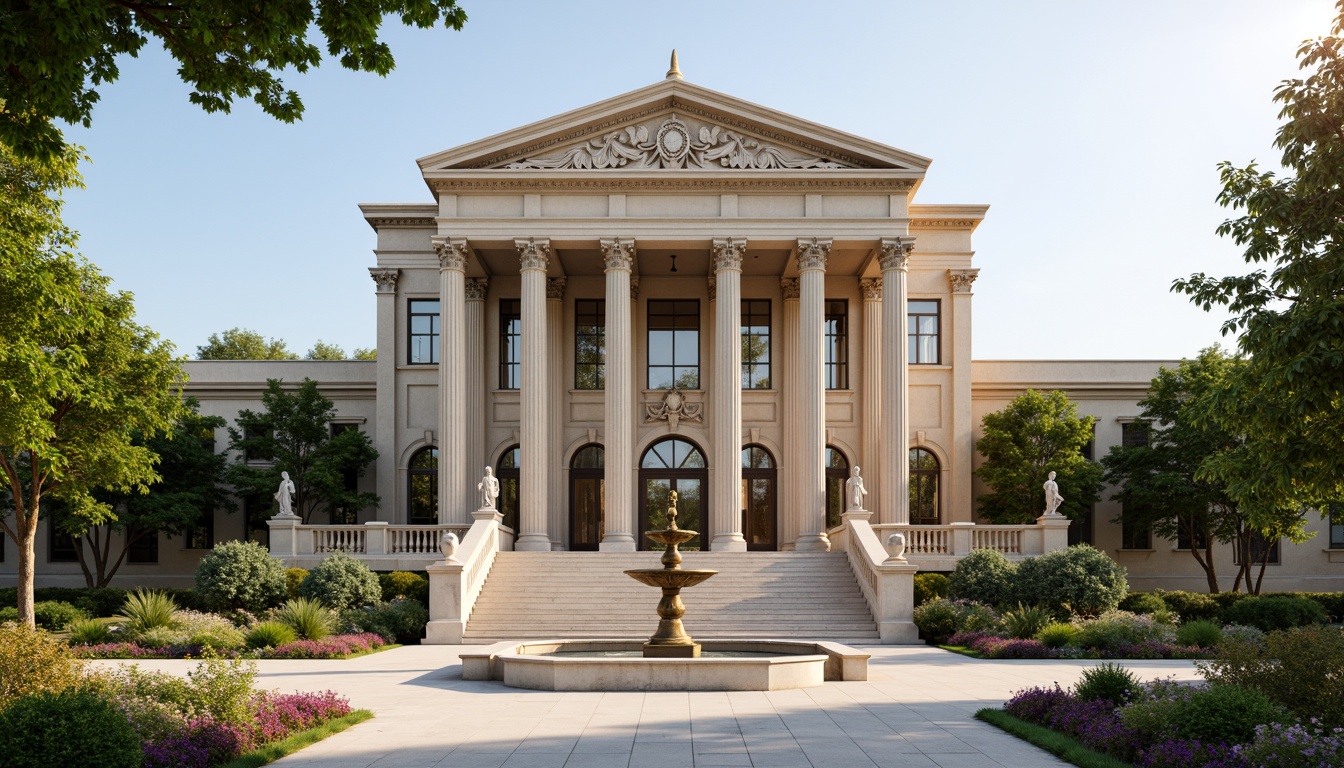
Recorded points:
341,582
98,601
1275,612
1025,621
414,586
240,575
1110,682
1057,635
1204,634
187,599
1110,631
1080,577
1191,606
310,619
293,578
1226,713
270,634
928,586
31,660
1226,600
1299,668
67,728
89,632
1152,714
9,613
1332,602
941,618
985,576
399,621
1143,602
55,616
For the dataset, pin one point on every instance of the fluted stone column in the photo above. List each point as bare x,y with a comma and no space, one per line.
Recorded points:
726,394
619,405
555,389
534,256
385,414
963,436
788,365
811,473
475,333
452,381
872,392
894,260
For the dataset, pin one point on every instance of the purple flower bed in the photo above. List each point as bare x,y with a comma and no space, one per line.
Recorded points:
206,742
328,647
333,647
995,647
1188,753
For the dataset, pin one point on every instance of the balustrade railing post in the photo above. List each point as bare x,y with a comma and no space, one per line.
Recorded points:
961,538
376,538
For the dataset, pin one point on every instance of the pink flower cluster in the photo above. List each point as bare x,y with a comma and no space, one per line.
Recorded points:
332,647
207,742
280,714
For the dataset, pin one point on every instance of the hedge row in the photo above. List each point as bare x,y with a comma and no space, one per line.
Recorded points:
1198,605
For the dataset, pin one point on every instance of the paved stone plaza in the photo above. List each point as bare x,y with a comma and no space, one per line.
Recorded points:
915,710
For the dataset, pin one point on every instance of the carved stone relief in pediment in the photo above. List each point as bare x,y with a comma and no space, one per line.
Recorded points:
674,142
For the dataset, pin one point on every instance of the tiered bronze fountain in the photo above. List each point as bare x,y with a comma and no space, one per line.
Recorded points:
671,640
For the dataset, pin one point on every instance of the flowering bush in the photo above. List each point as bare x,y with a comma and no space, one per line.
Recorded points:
279,714
332,647
1309,745
1188,753
1113,629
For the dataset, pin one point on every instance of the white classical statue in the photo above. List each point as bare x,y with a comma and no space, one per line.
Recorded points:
1052,497
448,545
489,488
285,495
854,490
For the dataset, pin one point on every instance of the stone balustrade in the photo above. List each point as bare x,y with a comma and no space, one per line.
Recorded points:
382,546
887,583
939,547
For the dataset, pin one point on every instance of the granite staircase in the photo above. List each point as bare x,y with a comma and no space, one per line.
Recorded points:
769,595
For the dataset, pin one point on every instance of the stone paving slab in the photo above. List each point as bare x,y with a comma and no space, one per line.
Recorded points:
914,711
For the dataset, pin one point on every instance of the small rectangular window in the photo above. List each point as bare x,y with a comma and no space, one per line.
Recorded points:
1262,551
590,344
60,545
1185,539
1080,531
510,343
1337,526
202,535
922,320
256,512
836,354
251,453
1134,535
145,549
424,335
674,344
1133,434
756,344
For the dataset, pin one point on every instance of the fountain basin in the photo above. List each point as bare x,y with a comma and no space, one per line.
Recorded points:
668,578
767,665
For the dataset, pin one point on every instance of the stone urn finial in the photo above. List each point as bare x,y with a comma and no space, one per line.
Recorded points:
448,546
896,545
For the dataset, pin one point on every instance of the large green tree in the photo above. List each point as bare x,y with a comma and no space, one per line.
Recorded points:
57,52
293,433
78,377
1288,312
1036,434
190,487
242,344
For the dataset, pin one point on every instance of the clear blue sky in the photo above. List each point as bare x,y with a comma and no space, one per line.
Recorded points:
1092,129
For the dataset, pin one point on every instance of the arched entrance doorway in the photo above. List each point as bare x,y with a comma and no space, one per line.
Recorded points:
585,498
422,487
670,465
923,487
837,472
758,499
507,472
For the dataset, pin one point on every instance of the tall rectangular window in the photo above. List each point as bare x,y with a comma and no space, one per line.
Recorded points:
590,344
145,549
755,343
202,535
1262,551
346,515
424,336
674,344
1134,535
1186,539
836,356
60,545
510,343
1337,526
922,321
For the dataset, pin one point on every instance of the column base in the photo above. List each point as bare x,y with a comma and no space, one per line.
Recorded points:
813,542
617,542
532,542
728,542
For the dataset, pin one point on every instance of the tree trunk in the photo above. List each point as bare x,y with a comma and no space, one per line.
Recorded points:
27,570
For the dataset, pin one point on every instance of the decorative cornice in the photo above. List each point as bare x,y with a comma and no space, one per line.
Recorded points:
555,287
881,186
634,287
895,252
421,221
385,278
534,253
728,253
453,254
618,253
871,288
945,223
476,287
812,253
961,279
789,285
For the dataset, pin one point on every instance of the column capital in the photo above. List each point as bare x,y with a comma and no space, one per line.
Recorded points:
895,253
789,285
386,279
871,288
728,252
812,253
475,289
555,287
961,279
452,253
618,253
534,253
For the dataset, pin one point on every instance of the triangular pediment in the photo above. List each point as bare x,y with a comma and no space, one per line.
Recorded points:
673,125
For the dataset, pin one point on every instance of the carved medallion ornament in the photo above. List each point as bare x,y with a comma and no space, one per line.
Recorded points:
555,287
789,286
895,252
475,288
452,254
618,253
673,409
812,254
534,253
871,288
674,143
386,279
961,279
728,253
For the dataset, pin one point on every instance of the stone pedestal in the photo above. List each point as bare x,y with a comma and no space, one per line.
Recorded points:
1056,533
284,535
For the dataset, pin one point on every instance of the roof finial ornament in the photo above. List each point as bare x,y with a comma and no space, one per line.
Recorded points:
674,72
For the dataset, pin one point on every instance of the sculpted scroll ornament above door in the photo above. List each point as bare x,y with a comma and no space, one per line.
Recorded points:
674,143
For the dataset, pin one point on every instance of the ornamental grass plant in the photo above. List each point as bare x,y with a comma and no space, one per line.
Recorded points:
310,619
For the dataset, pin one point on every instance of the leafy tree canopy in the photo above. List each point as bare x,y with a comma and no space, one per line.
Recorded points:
242,344
1289,310
1038,433
58,52
324,351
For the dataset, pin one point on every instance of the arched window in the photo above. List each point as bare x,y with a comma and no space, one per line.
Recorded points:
837,471
923,487
758,498
422,495
586,491
670,465
507,472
